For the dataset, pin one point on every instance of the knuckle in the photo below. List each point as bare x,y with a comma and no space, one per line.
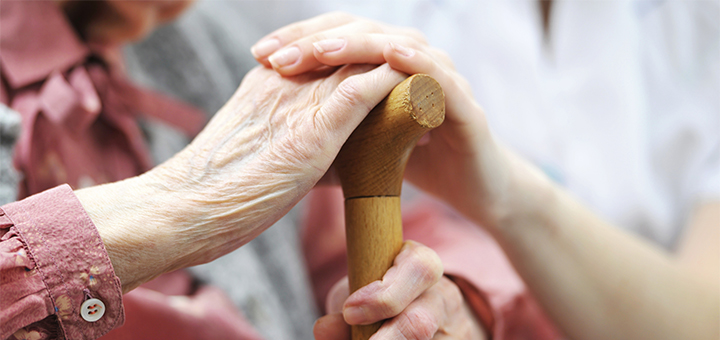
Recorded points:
316,37
452,296
364,40
428,263
418,324
293,32
453,290
388,306
351,92
321,121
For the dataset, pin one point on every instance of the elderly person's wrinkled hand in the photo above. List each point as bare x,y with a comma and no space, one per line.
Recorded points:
414,298
258,156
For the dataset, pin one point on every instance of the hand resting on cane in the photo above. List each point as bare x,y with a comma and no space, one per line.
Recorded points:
258,156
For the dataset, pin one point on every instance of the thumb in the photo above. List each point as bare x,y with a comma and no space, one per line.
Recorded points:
337,296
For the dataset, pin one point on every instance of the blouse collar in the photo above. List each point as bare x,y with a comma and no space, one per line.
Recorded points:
36,40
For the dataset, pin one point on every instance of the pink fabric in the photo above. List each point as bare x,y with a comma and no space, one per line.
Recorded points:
205,314
470,257
51,260
79,112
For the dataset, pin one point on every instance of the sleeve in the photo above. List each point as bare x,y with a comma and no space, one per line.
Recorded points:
56,277
471,257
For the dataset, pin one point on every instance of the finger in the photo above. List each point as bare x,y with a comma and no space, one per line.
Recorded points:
432,315
286,35
415,269
297,57
420,320
337,296
303,29
331,327
458,94
352,100
336,47
361,48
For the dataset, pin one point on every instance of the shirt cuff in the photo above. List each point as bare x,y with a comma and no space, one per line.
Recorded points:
71,259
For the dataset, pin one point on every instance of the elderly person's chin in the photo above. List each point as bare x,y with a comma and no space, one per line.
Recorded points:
115,22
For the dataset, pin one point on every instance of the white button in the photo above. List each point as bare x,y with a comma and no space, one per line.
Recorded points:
92,310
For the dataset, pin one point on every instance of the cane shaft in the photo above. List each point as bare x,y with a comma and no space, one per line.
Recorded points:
370,166
374,238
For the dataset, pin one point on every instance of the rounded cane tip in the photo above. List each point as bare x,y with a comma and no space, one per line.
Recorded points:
427,101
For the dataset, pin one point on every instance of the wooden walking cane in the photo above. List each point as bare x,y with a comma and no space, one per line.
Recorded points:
370,166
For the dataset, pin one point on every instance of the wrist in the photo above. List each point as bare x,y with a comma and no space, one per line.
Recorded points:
519,194
136,219
531,199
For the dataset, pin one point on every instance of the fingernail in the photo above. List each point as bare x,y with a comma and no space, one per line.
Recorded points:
265,48
329,45
285,57
402,50
354,315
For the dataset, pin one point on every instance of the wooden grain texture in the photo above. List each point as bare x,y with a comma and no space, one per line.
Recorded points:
371,166
374,238
372,161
